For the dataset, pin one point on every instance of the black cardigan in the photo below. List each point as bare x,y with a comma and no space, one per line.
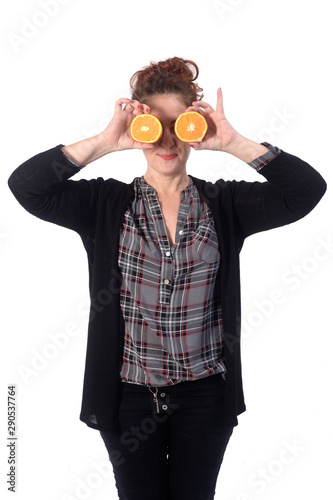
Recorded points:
94,209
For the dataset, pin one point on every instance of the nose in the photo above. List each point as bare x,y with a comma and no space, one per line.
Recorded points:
167,140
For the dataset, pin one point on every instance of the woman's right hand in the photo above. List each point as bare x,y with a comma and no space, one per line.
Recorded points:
117,134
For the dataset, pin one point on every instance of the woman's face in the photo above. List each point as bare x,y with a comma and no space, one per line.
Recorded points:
170,154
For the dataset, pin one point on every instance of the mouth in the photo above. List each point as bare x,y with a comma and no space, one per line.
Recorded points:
167,157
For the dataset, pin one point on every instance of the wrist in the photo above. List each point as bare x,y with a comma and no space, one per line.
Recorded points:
104,145
246,149
87,150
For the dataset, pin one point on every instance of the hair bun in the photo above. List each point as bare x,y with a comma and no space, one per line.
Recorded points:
171,76
179,67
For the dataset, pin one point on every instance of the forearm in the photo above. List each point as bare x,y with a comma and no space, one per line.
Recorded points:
43,186
40,174
87,150
246,149
292,190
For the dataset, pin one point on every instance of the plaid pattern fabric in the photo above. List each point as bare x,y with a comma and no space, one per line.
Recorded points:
263,160
173,322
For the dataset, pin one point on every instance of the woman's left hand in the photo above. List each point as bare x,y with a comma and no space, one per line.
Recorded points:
220,134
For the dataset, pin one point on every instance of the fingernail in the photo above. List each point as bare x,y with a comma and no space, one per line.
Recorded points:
139,107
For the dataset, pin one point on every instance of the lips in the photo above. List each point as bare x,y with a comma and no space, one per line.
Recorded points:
167,157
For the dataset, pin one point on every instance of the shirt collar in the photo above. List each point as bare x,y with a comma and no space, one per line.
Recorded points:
140,184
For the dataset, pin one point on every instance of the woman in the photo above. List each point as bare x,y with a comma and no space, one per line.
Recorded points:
163,381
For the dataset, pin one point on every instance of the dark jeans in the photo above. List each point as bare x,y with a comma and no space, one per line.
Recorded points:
175,454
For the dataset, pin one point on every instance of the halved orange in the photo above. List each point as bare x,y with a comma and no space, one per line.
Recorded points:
191,126
146,128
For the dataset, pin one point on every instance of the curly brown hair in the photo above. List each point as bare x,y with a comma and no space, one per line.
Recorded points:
172,76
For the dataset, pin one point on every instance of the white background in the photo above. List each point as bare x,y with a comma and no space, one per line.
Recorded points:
63,66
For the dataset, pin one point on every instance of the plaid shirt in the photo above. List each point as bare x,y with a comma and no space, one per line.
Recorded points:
173,320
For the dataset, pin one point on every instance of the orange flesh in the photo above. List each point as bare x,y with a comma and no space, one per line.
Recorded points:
191,127
146,128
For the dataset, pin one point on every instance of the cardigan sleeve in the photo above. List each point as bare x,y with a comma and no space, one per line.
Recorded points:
43,187
292,190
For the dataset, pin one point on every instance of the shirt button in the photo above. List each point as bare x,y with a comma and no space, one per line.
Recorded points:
168,254
181,231
167,282
162,394
164,407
